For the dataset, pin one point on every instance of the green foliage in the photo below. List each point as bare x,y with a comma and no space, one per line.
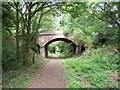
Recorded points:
21,77
47,22
51,54
7,17
82,20
94,71
8,52
51,47
101,80
65,49
79,28
25,21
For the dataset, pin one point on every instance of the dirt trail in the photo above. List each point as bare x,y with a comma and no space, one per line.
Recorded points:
52,76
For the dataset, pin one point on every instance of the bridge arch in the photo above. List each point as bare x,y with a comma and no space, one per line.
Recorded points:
73,44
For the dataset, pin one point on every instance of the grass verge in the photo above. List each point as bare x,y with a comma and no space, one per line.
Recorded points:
99,69
21,77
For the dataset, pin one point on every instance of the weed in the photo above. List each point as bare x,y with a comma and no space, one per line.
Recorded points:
93,71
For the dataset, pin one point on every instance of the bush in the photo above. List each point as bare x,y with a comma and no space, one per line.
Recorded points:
96,69
21,77
8,52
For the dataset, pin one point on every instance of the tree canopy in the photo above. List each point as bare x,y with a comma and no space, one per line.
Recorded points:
92,24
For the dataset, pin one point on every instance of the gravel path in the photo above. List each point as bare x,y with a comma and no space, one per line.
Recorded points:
52,76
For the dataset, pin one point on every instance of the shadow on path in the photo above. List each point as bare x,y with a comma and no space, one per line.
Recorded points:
56,57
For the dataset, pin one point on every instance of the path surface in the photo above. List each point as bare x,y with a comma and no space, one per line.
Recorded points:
52,76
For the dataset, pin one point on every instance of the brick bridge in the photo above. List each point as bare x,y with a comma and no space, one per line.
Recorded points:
47,38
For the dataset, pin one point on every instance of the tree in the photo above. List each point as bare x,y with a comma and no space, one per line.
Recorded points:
8,46
109,12
87,20
25,24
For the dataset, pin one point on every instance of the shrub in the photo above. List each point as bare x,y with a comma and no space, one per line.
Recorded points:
8,52
96,69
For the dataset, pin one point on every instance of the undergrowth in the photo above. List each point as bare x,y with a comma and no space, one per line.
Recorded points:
20,78
93,70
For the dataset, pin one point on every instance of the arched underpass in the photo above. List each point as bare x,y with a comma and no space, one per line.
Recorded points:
74,46
46,39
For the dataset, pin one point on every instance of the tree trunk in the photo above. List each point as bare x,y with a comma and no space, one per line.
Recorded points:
17,32
27,37
119,27
33,59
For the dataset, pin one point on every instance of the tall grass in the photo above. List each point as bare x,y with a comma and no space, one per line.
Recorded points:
95,69
20,78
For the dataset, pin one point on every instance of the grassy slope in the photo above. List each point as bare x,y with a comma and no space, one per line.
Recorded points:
96,70
21,77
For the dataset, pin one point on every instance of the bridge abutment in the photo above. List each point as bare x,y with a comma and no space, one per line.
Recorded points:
42,51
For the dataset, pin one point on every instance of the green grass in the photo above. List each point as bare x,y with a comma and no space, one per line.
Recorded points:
21,77
92,71
51,54
60,55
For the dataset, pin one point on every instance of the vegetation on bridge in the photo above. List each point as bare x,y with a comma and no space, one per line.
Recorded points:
94,25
